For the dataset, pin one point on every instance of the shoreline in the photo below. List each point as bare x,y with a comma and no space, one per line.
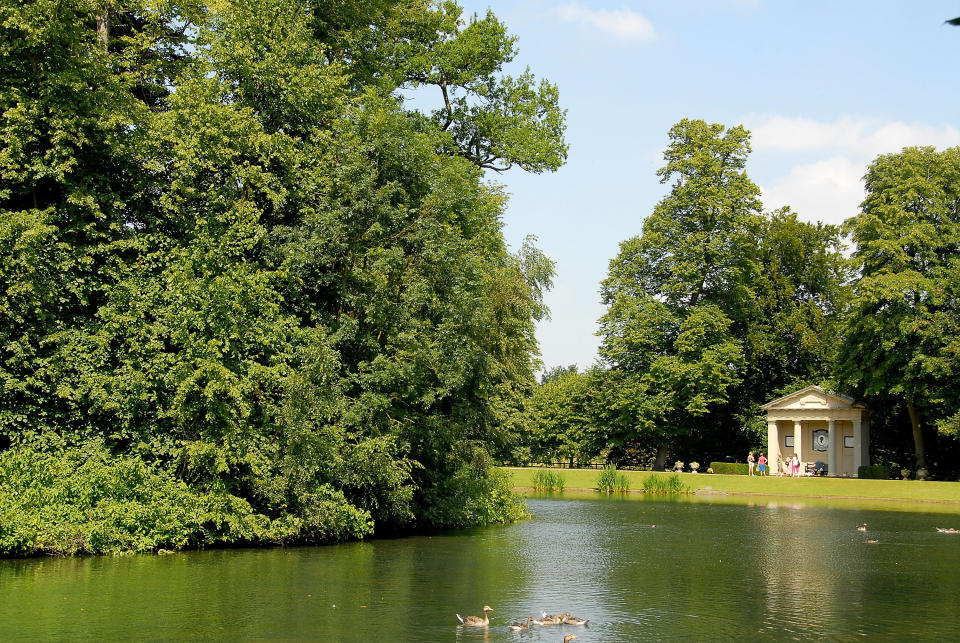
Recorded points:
747,494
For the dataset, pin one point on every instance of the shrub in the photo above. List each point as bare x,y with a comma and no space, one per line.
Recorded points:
664,484
610,481
549,481
87,501
730,468
874,472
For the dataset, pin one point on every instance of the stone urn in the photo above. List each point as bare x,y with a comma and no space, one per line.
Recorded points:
922,474
905,473
694,466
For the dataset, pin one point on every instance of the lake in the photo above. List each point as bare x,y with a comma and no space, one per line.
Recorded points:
640,569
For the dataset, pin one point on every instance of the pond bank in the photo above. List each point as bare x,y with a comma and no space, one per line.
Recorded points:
847,489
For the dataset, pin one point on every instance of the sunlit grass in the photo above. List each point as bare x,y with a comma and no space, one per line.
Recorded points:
586,479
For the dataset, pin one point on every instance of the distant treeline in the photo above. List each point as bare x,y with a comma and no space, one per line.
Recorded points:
719,307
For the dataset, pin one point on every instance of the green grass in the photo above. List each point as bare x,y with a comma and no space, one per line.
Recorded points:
913,490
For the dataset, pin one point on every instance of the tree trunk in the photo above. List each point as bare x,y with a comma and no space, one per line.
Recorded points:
917,434
660,462
103,26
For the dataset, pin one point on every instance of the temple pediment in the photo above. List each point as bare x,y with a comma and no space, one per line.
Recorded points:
812,398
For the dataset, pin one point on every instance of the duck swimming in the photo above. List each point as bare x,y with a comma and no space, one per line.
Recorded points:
862,527
556,619
573,620
476,621
568,638
522,626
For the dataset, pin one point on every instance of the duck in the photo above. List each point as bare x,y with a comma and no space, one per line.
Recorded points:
568,638
948,530
522,626
862,527
573,620
871,541
555,619
476,621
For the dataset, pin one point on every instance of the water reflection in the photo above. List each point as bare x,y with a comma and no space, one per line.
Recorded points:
638,569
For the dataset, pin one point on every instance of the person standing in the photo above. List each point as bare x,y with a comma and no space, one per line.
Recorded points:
750,462
781,469
796,465
762,465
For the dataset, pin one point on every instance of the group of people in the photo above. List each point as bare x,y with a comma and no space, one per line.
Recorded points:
788,467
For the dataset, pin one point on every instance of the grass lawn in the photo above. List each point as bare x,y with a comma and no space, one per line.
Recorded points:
909,490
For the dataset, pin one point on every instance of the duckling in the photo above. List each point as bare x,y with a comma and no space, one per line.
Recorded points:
568,638
573,620
522,626
476,621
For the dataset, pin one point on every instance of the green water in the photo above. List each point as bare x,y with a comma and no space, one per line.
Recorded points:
760,571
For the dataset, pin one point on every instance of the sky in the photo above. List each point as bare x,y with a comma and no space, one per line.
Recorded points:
824,87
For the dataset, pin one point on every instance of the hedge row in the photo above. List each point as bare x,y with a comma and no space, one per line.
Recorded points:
730,468
874,472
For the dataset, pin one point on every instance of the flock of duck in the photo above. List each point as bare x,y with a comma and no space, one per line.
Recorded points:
545,620
874,541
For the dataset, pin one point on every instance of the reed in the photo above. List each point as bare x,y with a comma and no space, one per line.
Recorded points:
665,484
548,481
610,481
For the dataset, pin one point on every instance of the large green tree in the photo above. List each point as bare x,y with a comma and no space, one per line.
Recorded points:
715,308
228,248
677,294
902,328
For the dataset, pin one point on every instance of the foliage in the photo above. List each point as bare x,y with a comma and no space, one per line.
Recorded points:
715,305
558,420
228,250
730,468
548,481
87,501
874,472
672,483
902,328
609,481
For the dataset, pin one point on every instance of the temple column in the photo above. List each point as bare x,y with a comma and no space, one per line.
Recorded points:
798,442
773,444
832,449
858,449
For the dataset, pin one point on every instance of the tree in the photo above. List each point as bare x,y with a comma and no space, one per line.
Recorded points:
715,307
677,294
230,250
901,330
559,418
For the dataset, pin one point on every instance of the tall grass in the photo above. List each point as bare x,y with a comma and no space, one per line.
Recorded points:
610,481
665,484
548,481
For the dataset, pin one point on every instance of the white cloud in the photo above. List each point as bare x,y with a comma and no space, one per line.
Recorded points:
827,186
829,190
626,24
862,137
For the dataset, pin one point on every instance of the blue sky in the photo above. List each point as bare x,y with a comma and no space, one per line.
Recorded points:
824,86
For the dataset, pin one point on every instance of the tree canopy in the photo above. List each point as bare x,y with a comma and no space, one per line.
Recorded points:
228,249
716,306
902,329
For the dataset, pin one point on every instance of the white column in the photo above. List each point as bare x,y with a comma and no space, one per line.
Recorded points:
798,442
832,449
773,445
857,446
